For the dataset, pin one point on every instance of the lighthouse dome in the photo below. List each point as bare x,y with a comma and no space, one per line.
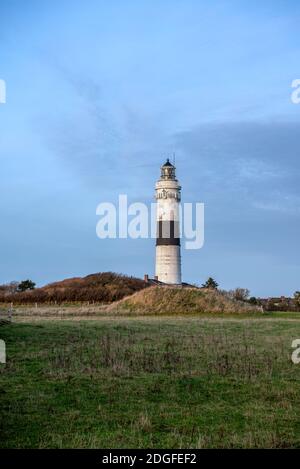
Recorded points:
168,170
167,163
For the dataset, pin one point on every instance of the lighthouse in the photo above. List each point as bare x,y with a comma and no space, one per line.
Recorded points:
167,194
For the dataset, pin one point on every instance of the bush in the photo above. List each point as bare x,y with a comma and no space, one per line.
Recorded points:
102,287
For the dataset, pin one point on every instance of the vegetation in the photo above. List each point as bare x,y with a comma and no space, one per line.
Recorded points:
108,287
150,383
253,300
210,283
26,285
297,298
103,287
8,288
240,294
172,300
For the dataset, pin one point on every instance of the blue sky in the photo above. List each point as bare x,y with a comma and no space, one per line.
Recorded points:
99,93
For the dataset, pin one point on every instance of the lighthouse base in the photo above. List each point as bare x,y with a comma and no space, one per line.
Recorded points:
168,264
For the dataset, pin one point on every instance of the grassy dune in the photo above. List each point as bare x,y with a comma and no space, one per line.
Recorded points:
158,300
150,382
151,301
103,287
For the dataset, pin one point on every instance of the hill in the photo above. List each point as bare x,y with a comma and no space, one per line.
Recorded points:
174,300
104,287
123,295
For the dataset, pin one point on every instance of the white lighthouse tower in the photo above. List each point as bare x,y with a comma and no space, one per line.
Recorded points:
167,194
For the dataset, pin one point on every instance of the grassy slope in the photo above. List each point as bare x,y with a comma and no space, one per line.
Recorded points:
152,301
150,383
158,300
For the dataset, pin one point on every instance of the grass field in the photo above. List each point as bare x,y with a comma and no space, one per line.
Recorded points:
150,382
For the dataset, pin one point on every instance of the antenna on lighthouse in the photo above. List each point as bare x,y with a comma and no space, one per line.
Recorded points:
174,160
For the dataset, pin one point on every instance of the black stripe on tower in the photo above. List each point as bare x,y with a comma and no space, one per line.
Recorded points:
168,233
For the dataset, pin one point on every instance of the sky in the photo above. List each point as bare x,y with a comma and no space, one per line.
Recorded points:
100,93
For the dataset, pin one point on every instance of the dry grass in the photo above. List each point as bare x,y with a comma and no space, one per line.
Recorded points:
203,353
153,301
103,287
166,300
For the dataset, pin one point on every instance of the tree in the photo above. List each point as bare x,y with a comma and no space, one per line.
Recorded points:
9,288
297,295
241,294
297,298
26,285
253,300
210,283
12,287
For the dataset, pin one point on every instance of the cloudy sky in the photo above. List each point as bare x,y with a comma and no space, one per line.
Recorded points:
99,93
